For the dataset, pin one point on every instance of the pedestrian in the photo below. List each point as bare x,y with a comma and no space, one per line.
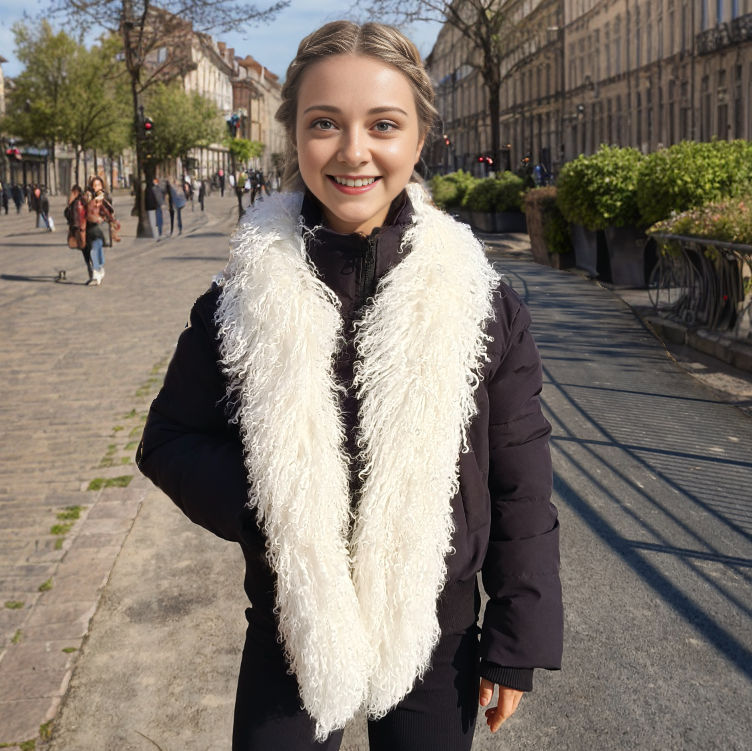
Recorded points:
42,208
75,215
188,191
18,197
153,202
101,227
29,196
175,203
372,437
221,177
6,198
201,193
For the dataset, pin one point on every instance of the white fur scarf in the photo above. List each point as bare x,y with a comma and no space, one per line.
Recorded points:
356,598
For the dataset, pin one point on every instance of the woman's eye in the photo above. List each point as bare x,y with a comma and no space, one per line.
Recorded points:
323,125
384,127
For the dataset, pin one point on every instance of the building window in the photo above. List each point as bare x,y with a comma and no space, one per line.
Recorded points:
162,55
638,38
548,79
671,31
706,99
720,16
639,120
684,28
704,15
735,13
648,36
619,132
738,111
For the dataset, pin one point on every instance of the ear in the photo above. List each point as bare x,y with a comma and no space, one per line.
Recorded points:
421,142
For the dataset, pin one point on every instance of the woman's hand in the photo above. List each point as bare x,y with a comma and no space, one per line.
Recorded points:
509,700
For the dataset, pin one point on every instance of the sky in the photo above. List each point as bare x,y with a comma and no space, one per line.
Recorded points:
273,45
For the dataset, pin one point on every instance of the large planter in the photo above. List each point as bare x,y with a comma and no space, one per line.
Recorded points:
585,249
535,231
561,260
626,253
510,221
482,221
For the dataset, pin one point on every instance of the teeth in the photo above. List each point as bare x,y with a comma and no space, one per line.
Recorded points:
355,183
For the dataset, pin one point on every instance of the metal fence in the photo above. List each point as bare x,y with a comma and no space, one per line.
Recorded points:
704,284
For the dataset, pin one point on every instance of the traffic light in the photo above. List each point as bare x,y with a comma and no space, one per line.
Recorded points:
447,142
148,127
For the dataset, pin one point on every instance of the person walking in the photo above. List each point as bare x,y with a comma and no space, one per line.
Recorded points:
153,203
221,178
75,215
175,203
188,191
6,198
42,208
372,438
18,197
201,193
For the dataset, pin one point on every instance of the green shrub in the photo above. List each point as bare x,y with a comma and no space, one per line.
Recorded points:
448,191
482,196
727,220
502,193
556,231
691,174
510,192
599,191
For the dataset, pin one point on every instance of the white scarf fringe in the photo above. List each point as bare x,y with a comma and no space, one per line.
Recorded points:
358,618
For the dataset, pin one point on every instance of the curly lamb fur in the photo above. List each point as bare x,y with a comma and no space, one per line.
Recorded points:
358,617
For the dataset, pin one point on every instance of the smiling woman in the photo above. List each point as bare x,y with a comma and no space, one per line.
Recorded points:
356,144
357,406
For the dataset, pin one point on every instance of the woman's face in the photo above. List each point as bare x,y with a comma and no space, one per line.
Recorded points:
356,121
97,185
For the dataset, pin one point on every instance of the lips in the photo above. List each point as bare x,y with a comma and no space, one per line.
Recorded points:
353,185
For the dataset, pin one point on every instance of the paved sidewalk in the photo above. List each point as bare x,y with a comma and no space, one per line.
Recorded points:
79,368
652,483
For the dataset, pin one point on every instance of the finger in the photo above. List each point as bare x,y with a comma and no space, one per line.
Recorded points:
486,692
508,702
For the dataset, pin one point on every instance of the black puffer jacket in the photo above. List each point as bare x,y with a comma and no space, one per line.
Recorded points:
505,523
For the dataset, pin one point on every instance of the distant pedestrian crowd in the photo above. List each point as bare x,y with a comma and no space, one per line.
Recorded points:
34,196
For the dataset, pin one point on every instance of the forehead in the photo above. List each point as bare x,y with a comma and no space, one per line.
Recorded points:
353,83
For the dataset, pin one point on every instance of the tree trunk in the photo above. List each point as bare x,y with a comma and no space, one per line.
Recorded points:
86,164
494,109
96,165
78,166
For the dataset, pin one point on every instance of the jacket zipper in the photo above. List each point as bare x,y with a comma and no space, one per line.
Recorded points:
368,277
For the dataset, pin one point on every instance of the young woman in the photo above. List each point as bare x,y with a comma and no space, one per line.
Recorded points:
357,406
100,217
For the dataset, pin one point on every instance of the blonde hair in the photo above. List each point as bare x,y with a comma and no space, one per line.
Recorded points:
376,40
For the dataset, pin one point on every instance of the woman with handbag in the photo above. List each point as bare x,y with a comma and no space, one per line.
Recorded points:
357,406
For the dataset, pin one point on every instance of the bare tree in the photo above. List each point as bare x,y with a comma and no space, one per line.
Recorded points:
492,29
157,47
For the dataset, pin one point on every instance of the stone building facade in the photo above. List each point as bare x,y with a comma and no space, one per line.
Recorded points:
642,73
256,99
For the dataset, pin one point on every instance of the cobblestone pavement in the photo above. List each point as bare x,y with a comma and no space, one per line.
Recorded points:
79,366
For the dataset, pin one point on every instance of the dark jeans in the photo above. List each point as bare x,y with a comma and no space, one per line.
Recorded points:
439,714
172,219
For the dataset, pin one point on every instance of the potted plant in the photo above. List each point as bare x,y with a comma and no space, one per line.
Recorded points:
509,195
448,192
550,237
599,193
480,202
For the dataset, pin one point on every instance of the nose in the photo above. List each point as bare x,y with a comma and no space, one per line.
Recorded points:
353,149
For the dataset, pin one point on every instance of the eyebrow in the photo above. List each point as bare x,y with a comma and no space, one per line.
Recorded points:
338,111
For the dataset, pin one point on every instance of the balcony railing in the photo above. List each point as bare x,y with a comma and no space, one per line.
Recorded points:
725,35
704,283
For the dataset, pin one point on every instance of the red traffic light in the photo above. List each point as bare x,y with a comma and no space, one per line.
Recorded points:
148,126
446,140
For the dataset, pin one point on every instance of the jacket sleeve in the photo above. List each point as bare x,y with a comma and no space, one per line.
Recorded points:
523,623
188,449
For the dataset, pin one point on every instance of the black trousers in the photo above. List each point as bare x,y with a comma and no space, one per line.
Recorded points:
439,714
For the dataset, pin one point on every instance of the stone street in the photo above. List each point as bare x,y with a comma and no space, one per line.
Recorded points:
79,367
651,481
